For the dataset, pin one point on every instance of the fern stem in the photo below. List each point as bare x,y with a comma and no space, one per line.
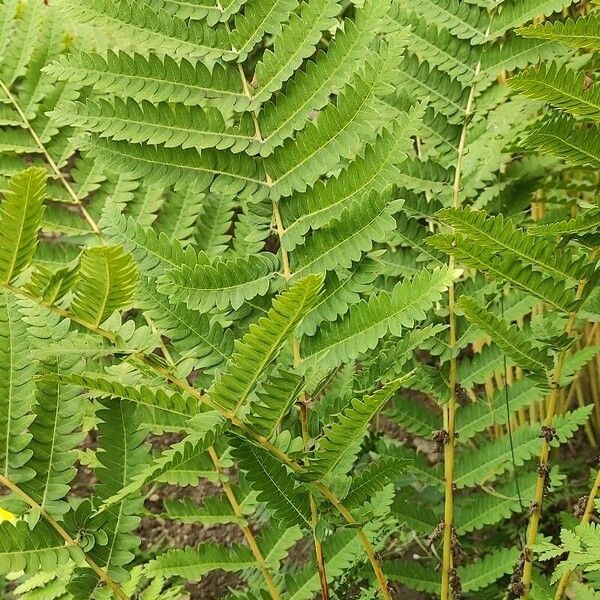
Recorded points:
303,410
534,520
449,410
369,550
248,535
76,200
102,575
586,517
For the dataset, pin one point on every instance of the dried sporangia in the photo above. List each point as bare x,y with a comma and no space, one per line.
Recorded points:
461,395
455,584
548,433
579,508
458,556
516,588
435,534
441,438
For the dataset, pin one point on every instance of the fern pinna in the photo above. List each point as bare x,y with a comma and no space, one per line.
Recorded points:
293,244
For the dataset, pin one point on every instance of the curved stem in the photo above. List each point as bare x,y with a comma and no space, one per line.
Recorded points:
102,575
533,526
287,273
248,535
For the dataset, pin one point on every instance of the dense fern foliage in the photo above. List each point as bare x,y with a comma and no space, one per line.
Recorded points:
313,280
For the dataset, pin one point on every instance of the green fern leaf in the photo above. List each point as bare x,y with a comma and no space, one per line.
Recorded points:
561,137
376,170
325,74
33,550
342,241
153,253
153,30
509,339
373,479
497,234
193,563
206,428
295,42
368,321
259,18
122,457
172,125
225,283
20,218
17,390
153,78
579,33
561,87
105,282
260,346
274,399
349,428
191,333
288,501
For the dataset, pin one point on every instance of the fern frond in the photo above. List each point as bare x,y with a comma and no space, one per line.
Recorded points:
191,333
368,321
585,221
480,509
258,19
169,166
376,169
349,428
342,241
373,479
495,457
33,550
122,456
225,283
105,282
153,78
464,20
325,74
561,87
341,290
522,276
205,427
214,223
295,42
173,408
509,339
153,29
21,213
518,12
497,234
193,563
172,125
439,47
476,417
288,501
55,432
212,512
562,137
275,397
260,346
17,390
153,253
583,32
339,131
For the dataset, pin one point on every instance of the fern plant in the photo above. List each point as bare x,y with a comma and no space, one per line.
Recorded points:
269,234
